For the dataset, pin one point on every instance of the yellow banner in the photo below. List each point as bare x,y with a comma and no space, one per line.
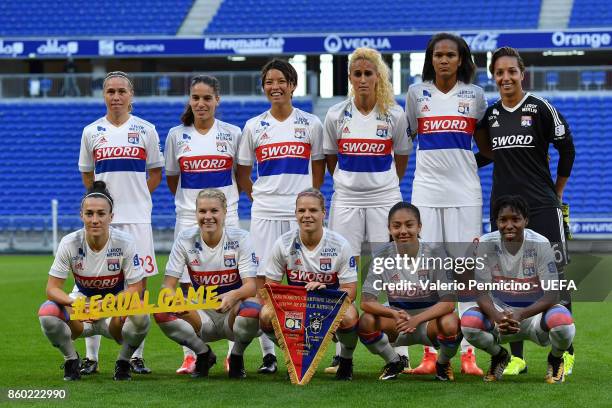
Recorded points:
127,304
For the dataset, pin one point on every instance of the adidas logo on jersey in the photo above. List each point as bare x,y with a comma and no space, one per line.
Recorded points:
425,108
495,124
346,130
195,262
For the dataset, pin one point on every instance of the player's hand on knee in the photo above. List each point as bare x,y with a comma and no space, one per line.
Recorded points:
315,286
228,300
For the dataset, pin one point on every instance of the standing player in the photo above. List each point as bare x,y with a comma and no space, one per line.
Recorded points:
415,315
515,254
214,254
517,132
317,258
287,144
102,260
201,153
366,147
442,112
123,150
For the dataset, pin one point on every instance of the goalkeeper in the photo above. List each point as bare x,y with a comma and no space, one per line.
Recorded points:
516,133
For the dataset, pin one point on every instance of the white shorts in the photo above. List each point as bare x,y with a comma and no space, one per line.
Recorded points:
143,237
182,224
264,234
450,224
360,224
215,326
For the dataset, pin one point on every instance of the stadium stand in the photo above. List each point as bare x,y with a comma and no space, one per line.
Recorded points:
591,13
30,18
262,16
38,159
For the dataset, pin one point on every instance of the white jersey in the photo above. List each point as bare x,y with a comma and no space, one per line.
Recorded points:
98,273
202,161
225,265
330,262
446,173
365,175
120,156
283,151
532,265
409,287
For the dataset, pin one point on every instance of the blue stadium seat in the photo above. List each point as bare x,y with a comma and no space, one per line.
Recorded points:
590,13
248,17
81,17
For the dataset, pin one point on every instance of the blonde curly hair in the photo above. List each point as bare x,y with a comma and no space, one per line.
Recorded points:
384,90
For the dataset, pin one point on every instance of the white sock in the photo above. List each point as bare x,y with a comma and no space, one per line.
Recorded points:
139,350
59,334
267,346
466,346
92,347
401,350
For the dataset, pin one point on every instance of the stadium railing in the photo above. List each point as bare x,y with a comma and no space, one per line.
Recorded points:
247,83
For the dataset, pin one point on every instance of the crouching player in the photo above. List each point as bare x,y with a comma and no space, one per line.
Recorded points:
417,314
517,255
102,260
214,255
317,258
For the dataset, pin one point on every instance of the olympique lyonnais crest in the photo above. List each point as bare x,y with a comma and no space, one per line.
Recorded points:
464,108
229,261
525,121
382,131
133,138
300,133
113,265
325,264
304,324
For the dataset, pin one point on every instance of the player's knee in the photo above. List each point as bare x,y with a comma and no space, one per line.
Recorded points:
165,317
449,325
140,322
52,309
250,308
265,319
350,320
367,322
557,316
474,320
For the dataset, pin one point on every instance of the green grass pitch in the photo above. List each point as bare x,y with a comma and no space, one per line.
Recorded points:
28,361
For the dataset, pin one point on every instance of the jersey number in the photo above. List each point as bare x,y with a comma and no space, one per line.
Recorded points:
147,264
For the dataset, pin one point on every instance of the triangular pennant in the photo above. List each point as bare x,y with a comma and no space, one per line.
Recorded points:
304,324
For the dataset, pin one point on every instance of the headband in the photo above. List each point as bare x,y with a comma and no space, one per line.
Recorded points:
97,194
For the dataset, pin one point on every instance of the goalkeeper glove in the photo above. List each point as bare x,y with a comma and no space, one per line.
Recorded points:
565,210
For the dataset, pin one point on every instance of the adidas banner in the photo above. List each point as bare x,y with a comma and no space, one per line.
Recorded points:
304,323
